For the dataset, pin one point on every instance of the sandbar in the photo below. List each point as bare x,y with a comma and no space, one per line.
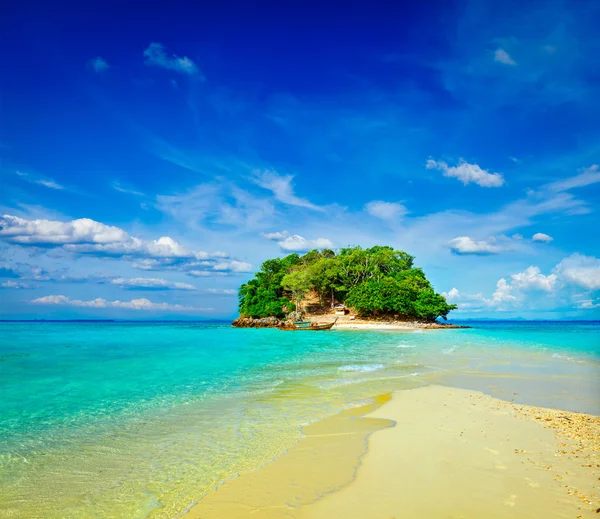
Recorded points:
432,452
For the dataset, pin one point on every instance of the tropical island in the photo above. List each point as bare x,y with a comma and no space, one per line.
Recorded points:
369,285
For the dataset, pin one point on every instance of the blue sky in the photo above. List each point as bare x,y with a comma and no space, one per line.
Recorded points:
153,158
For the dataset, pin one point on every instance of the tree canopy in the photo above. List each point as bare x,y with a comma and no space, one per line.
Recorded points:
376,282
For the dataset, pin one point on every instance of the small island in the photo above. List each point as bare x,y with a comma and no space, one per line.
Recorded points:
359,287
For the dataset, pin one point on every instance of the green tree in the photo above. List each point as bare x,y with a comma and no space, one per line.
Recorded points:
297,282
377,281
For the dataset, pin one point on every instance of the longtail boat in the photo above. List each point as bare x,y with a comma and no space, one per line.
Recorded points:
307,325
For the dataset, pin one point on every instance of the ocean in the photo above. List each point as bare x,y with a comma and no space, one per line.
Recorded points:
141,419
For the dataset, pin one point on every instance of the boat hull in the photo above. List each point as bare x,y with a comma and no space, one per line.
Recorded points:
313,328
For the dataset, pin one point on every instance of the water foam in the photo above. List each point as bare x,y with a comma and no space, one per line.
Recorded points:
362,368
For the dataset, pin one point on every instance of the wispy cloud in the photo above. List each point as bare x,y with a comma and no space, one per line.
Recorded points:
467,173
282,188
46,182
118,187
135,304
151,284
156,56
14,284
51,184
501,56
587,177
99,64
389,211
220,291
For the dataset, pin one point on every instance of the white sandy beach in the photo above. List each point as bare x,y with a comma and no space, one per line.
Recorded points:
434,452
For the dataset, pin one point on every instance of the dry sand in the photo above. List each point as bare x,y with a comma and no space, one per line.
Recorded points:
433,452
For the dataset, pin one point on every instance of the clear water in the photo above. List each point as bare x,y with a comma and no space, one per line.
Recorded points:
135,420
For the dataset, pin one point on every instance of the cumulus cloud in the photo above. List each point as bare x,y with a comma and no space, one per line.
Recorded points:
452,294
134,304
579,270
503,293
576,271
52,232
85,236
540,236
389,211
156,56
501,56
99,64
151,284
532,278
464,245
296,243
467,173
282,188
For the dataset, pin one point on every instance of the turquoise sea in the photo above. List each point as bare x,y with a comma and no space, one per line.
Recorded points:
141,419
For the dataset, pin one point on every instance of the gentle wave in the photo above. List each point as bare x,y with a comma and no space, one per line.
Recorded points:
361,368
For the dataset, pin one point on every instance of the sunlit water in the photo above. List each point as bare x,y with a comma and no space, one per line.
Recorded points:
134,420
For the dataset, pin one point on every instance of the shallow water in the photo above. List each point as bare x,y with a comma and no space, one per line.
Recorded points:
141,419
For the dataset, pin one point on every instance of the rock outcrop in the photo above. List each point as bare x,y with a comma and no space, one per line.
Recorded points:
250,322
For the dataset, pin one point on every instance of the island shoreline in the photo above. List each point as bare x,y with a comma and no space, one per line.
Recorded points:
346,323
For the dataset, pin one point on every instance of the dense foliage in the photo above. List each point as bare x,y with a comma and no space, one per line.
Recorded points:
379,281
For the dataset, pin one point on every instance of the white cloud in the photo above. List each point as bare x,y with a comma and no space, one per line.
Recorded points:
134,304
386,210
117,187
588,304
452,294
51,184
580,270
221,291
232,266
588,176
276,235
465,245
99,64
532,278
156,56
540,236
46,182
297,243
502,294
282,188
217,203
151,283
85,236
467,173
501,56
51,232
14,284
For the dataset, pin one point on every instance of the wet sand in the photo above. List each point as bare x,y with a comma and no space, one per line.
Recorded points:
434,452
